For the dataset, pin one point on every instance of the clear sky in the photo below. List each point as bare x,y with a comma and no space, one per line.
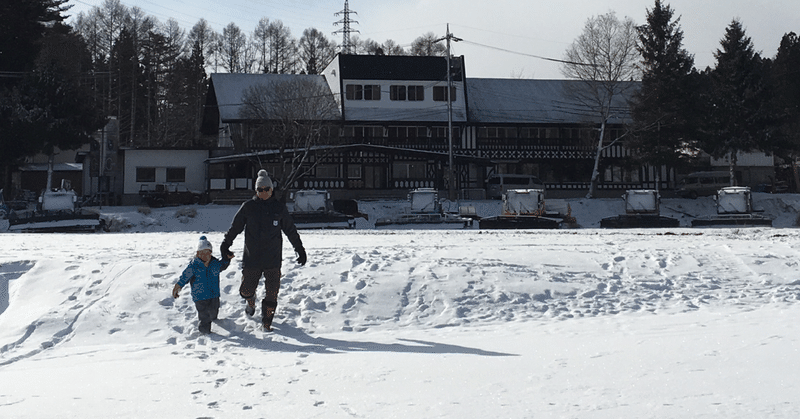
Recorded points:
501,38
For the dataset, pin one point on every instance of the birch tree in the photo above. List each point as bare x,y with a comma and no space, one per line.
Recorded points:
603,58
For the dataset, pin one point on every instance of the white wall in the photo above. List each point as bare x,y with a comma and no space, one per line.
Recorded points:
192,160
755,158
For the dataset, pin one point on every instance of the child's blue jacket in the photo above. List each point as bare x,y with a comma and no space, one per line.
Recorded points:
204,280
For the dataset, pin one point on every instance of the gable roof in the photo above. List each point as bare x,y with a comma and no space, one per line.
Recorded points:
396,67
516,101
225,91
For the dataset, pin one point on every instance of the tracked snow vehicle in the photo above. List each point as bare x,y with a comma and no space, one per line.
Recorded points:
641,211
425,208
522,209
734,208
313,209
57,212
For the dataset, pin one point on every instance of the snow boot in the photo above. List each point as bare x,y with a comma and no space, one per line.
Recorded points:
251,307
267,320
268,310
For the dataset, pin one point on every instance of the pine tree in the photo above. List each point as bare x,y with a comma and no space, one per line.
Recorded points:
663,109
785,93
739,118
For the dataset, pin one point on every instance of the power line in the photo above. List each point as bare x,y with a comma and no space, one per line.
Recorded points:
528,55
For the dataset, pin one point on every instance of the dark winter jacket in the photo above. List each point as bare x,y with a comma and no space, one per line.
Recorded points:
262,222
204,279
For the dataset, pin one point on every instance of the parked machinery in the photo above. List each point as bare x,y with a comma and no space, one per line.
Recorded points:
734,208
313,209
641,211
57,211
522,209
425,208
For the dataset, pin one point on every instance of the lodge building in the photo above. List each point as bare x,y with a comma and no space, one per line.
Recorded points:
394,120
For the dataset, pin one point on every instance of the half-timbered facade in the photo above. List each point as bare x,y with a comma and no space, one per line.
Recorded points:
397,116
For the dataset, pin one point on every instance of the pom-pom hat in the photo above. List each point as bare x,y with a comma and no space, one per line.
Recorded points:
263,180
204,244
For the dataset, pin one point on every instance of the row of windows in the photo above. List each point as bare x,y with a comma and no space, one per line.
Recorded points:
483,132
397,132
148,174
402,169
412,93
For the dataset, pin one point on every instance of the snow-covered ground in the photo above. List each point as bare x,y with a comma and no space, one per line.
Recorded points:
412,323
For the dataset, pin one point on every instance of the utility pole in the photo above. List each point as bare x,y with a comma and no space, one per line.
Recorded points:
347,47
451,184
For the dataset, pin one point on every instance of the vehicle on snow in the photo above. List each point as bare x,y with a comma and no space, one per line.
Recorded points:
425,208
162,195
498,184
57,212
642,210
734,208
314,209
522,209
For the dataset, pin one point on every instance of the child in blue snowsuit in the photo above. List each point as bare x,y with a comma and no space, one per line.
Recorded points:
203,274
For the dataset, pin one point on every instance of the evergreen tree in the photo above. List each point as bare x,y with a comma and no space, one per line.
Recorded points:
43,103
785,93
663,109
739,118
22,28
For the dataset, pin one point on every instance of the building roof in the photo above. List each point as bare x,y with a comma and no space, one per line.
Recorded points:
396,67
226,90
432,155
488,101
516,101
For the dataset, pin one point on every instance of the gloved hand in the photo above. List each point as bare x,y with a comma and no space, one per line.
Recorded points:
301,256
176,290
225,251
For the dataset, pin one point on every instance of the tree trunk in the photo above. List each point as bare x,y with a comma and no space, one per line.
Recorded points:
596,169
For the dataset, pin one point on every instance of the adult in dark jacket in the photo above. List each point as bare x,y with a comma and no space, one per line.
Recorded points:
262,219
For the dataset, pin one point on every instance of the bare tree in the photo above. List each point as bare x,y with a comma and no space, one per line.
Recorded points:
200,35
282,49
261,44
315,51
392,48
293,114
428,45
603,59
233,43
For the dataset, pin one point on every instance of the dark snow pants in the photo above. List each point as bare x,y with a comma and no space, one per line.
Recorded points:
272,284
207,311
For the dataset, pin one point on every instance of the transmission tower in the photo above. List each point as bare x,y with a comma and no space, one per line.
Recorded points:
347,47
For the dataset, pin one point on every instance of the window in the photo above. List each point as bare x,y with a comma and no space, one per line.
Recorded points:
397,93
354,92
365,92
409,170
327,171
353,171
372,92
176,174
412,93
440,93
416,93
145,174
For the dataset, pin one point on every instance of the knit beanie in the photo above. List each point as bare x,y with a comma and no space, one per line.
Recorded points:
204,244
263,180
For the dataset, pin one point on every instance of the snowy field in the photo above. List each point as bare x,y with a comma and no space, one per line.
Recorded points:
404,323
